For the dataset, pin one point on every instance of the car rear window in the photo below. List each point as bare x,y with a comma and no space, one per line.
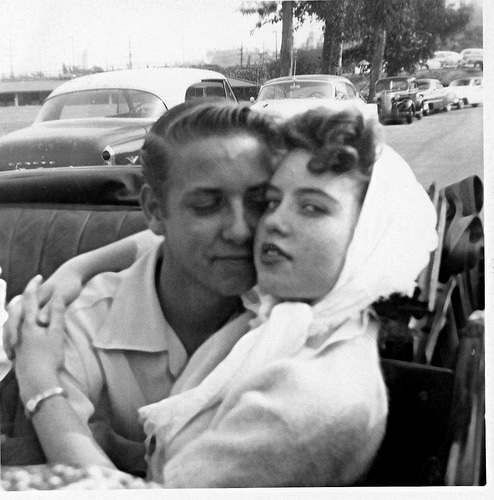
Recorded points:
459,83
102,103
205,89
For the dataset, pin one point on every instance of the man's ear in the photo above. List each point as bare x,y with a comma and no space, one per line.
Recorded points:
153,209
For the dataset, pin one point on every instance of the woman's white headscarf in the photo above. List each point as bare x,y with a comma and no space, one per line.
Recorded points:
392,242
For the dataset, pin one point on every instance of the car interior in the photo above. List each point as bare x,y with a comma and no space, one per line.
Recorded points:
432,348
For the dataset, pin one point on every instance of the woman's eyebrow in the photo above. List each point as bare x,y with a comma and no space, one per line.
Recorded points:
317,192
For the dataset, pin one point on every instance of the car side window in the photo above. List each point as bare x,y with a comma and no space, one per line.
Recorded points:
352,94
341,92
205,89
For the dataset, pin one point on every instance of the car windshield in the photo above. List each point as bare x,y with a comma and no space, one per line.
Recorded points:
297,90
424,85
102,103
391,85
472,53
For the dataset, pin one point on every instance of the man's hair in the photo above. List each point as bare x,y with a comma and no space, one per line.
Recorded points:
340,142
197,120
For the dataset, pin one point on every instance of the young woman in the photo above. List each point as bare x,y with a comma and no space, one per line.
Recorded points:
299,400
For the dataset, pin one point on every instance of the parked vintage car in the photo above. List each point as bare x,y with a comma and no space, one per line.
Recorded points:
472,58
102,118
468,90
442,59
288,95
436,97
398,99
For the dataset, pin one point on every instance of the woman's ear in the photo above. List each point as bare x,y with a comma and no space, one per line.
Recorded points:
153,208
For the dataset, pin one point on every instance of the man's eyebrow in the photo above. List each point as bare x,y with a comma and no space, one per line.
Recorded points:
204,190
261,185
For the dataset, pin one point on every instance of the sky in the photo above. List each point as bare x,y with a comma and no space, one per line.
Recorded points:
40,35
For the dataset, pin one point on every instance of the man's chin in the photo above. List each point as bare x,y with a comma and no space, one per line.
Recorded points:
235,287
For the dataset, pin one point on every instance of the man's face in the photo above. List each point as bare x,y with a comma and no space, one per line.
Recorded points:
214,201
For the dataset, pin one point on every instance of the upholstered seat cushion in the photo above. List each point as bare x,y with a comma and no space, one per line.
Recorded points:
48,216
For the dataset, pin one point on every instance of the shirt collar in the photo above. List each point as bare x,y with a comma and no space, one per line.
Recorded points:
135,320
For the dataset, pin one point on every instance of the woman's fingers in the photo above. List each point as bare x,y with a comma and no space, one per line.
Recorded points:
31,300
57,312
67,291
12,328
45,294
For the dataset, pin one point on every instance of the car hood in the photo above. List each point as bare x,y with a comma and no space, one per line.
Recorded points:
285,108
60,143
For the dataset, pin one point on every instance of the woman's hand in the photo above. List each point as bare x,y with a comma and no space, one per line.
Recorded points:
63,284
40,354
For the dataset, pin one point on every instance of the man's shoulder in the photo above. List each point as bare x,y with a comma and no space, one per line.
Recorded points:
108,302
102,287
88,312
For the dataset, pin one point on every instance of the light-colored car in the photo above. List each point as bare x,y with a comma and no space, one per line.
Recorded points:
103,118
436,97
468,90
442,59
472,58
288,95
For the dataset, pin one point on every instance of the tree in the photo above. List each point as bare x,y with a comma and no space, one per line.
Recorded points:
340,22
402,32
286,51
274,12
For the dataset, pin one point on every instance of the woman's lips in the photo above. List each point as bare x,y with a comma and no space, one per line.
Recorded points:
270,253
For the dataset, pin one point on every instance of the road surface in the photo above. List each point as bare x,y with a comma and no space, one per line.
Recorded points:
443,147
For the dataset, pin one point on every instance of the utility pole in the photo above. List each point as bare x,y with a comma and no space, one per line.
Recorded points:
11,56
241,55
130,54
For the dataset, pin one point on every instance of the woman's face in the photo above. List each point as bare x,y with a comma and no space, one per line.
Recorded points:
303,237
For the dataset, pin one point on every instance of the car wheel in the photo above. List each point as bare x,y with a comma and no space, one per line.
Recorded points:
426,110
460,104
447,108
475,104
409,116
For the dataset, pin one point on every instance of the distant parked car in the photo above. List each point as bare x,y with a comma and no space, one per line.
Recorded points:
442,59
102,119
436,97
468,90
398,99
472,58
287,95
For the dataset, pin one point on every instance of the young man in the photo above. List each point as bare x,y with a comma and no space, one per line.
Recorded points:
130,335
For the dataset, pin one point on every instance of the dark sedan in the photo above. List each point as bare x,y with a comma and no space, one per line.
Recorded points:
102,119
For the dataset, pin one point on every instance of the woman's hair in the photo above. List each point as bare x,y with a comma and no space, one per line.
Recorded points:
340,142
196,120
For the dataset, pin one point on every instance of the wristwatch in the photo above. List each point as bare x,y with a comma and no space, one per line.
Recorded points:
33,404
